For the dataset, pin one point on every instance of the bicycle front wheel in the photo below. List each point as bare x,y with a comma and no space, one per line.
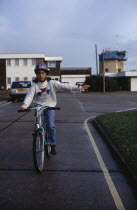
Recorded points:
38,151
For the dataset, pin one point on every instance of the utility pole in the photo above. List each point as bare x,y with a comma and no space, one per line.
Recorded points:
96,58
103,72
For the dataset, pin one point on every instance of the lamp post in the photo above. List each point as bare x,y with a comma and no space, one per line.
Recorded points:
103,72
96,59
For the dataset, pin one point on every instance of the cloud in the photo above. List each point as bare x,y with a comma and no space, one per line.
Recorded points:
69,28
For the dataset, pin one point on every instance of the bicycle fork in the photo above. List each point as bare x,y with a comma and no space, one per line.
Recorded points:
39,129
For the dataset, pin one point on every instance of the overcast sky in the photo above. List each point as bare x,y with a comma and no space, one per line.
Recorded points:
69,28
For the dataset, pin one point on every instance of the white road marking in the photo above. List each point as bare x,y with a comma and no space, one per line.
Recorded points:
5,103
132,102
81,106
112,188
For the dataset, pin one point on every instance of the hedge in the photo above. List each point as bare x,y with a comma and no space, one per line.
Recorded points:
111,83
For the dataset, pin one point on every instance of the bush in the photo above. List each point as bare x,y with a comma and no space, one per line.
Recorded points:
123,83
111,83
96,83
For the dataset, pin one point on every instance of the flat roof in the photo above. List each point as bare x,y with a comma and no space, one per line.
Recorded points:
22,55
75,72
29,55
75,68
53,58
123,74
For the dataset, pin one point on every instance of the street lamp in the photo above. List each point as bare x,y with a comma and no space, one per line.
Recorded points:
96,58
103,72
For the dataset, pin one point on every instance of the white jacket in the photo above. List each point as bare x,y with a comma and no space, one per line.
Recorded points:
44,93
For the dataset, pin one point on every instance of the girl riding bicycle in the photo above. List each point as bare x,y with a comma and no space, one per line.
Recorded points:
43,92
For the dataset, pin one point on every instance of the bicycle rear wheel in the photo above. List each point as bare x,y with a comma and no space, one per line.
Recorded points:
38,151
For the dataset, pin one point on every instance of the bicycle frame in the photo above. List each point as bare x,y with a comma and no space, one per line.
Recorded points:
39,122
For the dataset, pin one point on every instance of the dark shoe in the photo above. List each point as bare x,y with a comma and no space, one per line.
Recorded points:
53,150
33,134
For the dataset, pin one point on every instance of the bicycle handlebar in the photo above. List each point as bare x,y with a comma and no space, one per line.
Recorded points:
25,110
53,108
31,108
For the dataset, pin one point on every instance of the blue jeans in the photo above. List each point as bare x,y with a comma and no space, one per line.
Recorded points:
49,118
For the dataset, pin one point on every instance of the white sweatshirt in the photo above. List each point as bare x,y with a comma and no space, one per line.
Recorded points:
44,93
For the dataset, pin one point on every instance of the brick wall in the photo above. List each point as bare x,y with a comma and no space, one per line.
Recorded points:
54,71
2,73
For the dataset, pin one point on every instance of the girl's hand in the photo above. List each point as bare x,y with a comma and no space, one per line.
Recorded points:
23,108
85,87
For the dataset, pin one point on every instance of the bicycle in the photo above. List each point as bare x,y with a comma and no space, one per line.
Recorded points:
40,136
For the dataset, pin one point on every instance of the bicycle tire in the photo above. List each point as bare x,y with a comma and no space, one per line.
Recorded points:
38,151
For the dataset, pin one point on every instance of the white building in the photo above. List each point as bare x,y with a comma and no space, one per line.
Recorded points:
73,75
15,67
132,75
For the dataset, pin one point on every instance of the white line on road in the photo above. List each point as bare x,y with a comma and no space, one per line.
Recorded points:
112,188
132,102
5,103
81,106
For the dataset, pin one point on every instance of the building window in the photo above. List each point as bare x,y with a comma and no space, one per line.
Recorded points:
25,78
34,61
16,79
8,62
106,70
9,80
56,79
25,61
119,70
52,64
16,62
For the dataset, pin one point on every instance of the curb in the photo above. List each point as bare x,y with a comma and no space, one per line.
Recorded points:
116,153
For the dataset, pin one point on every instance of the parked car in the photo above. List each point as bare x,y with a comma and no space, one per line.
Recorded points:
19,89
79,83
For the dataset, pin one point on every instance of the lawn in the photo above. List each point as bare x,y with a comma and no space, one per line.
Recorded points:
122,129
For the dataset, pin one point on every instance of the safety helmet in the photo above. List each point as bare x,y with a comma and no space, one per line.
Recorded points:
42,67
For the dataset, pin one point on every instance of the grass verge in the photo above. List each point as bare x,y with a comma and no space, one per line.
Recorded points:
121,127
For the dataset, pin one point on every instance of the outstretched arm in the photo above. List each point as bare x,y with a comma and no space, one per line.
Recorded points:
29,97
59,85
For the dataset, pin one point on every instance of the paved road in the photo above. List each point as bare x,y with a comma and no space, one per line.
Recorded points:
73,179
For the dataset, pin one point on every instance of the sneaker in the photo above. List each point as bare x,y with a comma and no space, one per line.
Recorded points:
53,150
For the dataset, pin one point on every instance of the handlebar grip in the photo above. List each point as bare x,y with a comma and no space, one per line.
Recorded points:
53,108
26,110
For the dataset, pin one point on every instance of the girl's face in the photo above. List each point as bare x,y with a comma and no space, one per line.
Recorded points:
41,76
